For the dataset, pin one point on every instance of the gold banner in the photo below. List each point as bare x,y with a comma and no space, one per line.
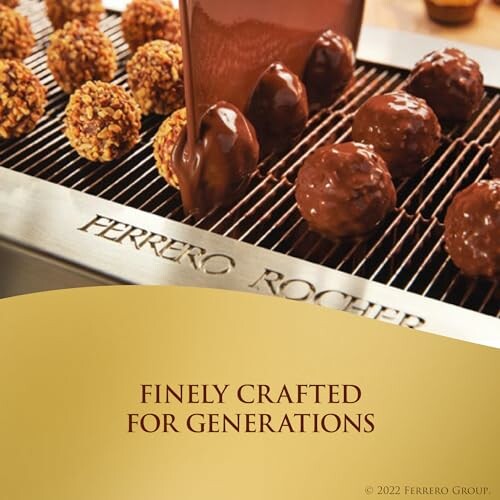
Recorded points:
170,393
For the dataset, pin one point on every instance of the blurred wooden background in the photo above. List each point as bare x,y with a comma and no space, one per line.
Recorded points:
410,15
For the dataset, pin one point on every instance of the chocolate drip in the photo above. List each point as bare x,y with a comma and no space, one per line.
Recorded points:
278,108
226,48
329,69
228,45
217,169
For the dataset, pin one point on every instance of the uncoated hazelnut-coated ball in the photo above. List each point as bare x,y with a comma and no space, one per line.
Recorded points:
62,11
164,144
147,20
16,37
103,121
155,77
22,99
79,53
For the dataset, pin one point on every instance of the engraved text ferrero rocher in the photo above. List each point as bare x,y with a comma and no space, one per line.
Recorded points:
301,290
269,281
159,245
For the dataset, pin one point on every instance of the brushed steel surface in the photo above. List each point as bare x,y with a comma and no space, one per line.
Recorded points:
402,49
56,221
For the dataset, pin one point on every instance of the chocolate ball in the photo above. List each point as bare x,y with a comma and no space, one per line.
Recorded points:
102,121
10,3
278,108
62,11
402,128
329,69
472,229
164,144
22,99
16,37
155,77
147,20
495,161
450,82
79,53
224,158
344,190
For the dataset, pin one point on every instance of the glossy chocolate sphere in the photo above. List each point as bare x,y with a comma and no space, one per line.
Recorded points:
344,190
472,229
402,128
329,69
278,108
450,82
225,156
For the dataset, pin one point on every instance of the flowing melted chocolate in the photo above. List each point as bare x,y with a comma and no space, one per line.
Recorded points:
278,108
227,47
224,157
329,69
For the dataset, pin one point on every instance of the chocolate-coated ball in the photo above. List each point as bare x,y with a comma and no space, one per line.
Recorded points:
103,121
216,172
16,37
278,108
344,190
147,20
79,53
329,69
164,144
155,77
62,11
450,82
472,229
402,128
22,99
